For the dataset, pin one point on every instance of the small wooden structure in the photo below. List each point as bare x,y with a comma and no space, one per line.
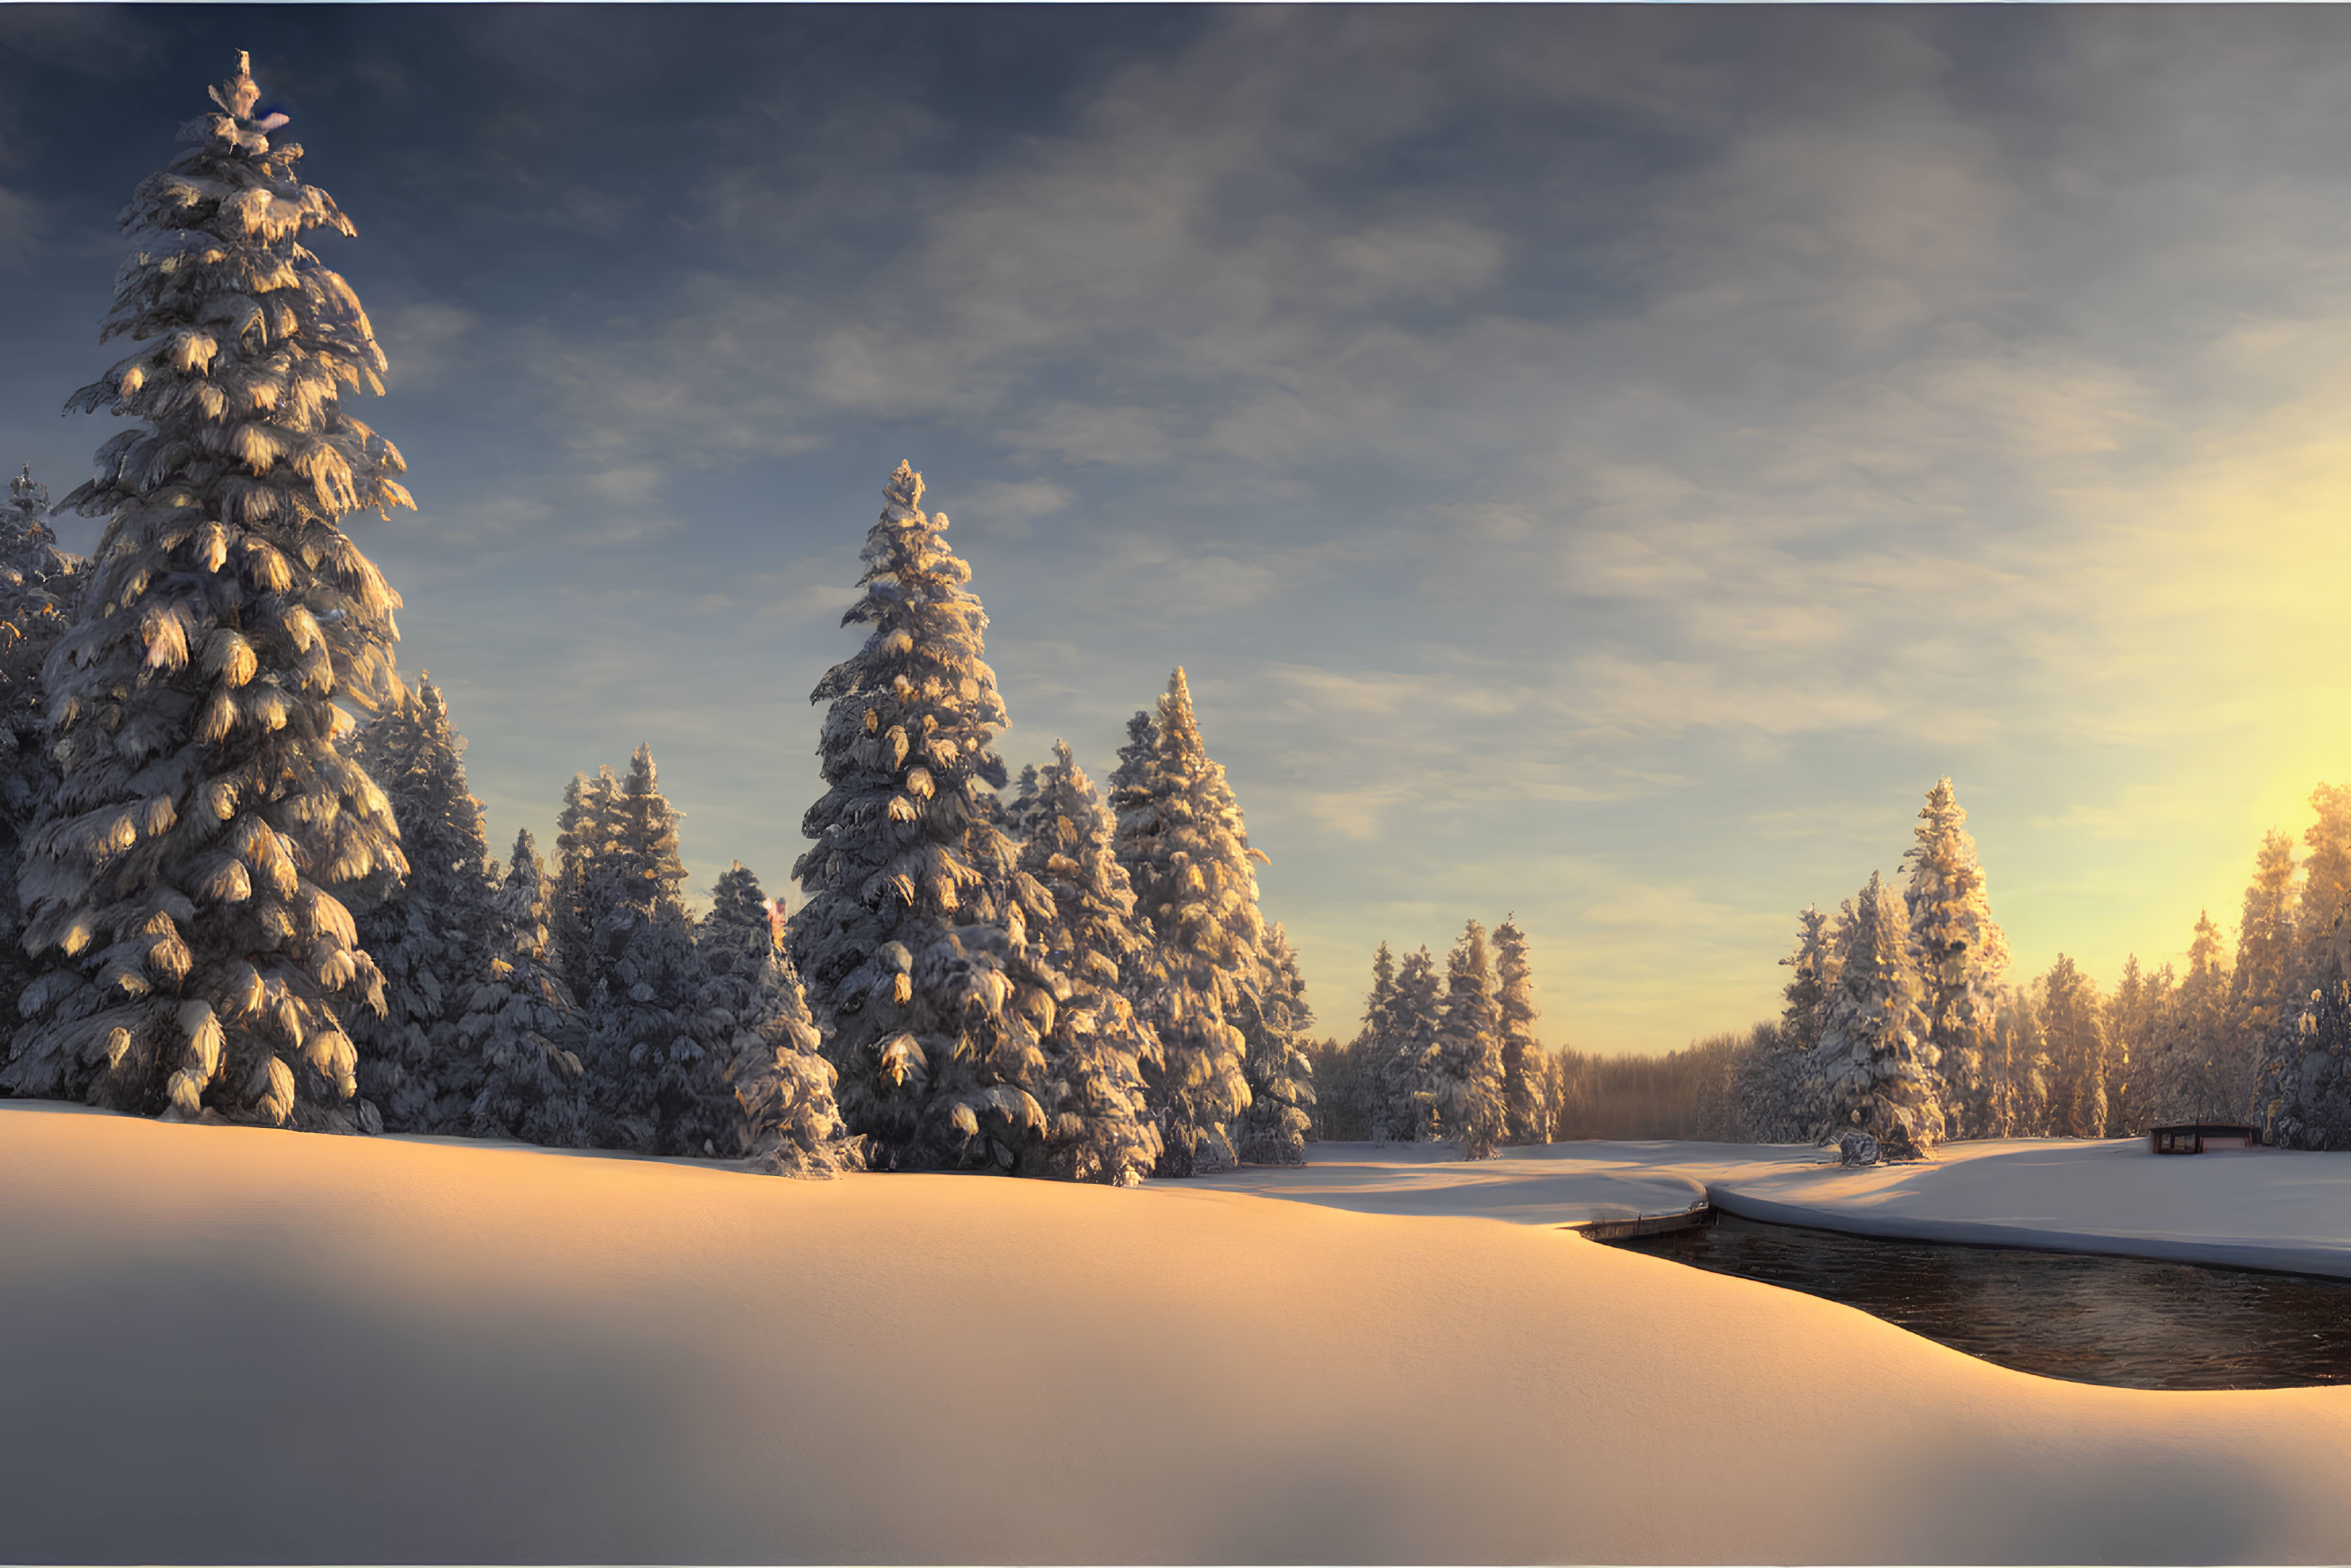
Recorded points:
2195,1137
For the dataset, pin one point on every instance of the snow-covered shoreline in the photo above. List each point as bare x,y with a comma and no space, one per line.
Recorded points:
2256,1209
224,1343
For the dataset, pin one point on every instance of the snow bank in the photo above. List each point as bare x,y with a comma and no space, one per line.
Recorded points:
1557,1184
221,1343
2251,1208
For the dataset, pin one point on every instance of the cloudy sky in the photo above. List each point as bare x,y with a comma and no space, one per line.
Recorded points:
1604,464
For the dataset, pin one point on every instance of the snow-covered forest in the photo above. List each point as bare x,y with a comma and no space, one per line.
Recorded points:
1902,1019
247,882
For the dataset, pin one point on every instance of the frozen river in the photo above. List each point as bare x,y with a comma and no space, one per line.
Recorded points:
2129,1323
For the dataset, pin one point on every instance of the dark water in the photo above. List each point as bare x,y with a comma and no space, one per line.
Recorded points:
2129,1323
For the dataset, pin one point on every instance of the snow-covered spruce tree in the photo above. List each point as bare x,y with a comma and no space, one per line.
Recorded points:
2134,1027
578,899
1412,1086
38,586
521,1025
1961,952
2299,1087
655,1057
1186,851
1525,1083
431,931
779,1110
1780,1082
1879,1065
2320,929
1472,1111
2074,1031
203,812
1281,1074
2261,999
2184,1078
1100,1128
1371,1047
1019,819
2020,1092
2307,1085
913,941
1134,756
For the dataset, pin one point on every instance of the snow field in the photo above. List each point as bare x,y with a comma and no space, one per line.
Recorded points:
2250,1208
2254,1208
225,1342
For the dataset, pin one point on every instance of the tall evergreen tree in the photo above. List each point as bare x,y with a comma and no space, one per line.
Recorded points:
2021,1091
1370,1048
2302,1095
432,932
1186,851
1019,819
2135,1031
1100,1128
2320,929
2074,1028
2261,999
1472,1111
1961,952
655,1057
777,1110
39,584
913,943
204,813
2187,1075
1811,976
1879,1066
1781,1081
1412,1081
582,894
522,1025
1280,1076
1525,1083
1135,757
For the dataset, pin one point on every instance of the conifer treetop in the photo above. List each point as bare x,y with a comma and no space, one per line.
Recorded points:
204,811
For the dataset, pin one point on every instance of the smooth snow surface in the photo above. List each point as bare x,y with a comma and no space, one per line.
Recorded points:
224,1343
2252,1208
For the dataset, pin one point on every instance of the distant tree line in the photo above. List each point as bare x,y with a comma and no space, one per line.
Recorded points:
1899,1022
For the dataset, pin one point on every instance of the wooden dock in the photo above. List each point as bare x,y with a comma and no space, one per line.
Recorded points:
1645,1224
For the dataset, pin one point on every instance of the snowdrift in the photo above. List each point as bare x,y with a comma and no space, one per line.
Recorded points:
2248,1208
226,1343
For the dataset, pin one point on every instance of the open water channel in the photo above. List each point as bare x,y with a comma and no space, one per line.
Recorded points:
2129,1322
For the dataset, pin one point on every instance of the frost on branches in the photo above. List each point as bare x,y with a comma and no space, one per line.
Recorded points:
430,933
520,1023
579,898
1411,1079
1100,1125
38,586
913,943
1469,1050
654,1056
203,812
1281,1075
1962,954
1526,1080
1185,848
1879,1067
779,1113
1370,1048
